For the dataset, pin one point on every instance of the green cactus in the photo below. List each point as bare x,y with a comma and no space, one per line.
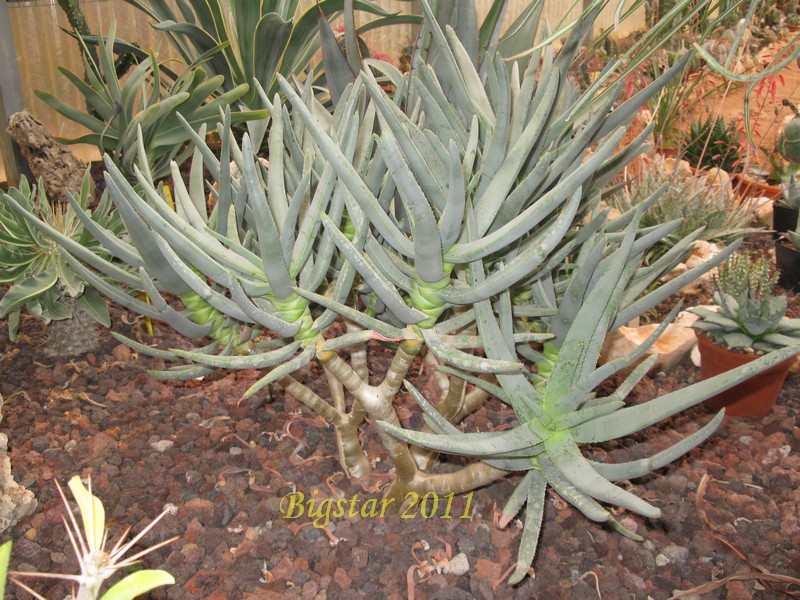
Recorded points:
788,143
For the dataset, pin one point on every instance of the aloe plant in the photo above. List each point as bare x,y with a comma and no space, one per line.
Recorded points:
245,41
691,199
794,237
144,100
458,222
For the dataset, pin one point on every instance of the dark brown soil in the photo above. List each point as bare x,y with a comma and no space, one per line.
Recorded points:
224,467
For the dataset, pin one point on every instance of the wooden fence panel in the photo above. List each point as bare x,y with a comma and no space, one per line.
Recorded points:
42,46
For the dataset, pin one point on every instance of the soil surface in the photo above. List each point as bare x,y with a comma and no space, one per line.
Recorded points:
222,468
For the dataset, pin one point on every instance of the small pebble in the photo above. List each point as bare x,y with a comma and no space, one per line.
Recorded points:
162,445
676,554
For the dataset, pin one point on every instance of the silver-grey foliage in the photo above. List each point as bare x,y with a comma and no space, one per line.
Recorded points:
460,215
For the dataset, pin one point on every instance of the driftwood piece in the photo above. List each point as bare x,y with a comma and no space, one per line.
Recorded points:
60,170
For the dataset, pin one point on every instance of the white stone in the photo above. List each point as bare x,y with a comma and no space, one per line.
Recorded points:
458,565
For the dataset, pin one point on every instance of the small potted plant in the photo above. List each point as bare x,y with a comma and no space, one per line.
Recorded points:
749,321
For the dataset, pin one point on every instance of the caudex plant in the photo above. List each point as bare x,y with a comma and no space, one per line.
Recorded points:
97,562
456,222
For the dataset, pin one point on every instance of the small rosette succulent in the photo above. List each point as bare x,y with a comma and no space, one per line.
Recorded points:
750,319
749,323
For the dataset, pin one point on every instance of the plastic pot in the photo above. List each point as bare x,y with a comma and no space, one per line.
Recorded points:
754,397
784,218
787,259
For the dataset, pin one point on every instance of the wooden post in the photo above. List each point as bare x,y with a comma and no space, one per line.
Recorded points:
11,99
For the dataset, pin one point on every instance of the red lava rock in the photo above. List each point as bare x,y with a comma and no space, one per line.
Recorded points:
327,566
502,538
205,580
165,393
227,532
193,554
633,582
755,511
283,570
310,589
96,445
790,526
201,507
43,376
217,433
341,577
487,569
121,352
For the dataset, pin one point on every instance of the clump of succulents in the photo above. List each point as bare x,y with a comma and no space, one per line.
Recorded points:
691,199
750,318
457,222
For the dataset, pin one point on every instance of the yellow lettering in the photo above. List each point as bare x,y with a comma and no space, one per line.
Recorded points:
295,501
384,503
339,512
323,514
353,506
373,504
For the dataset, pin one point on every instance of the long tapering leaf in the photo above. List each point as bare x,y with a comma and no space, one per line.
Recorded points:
644,466
634,418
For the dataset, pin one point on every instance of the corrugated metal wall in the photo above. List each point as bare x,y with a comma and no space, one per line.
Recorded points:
42,46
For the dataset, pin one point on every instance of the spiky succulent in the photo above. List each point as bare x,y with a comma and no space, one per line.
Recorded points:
794,237
691,199
243,42
144,101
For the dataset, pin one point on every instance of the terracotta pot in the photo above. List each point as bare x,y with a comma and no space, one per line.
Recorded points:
787,259
746,187
754,397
